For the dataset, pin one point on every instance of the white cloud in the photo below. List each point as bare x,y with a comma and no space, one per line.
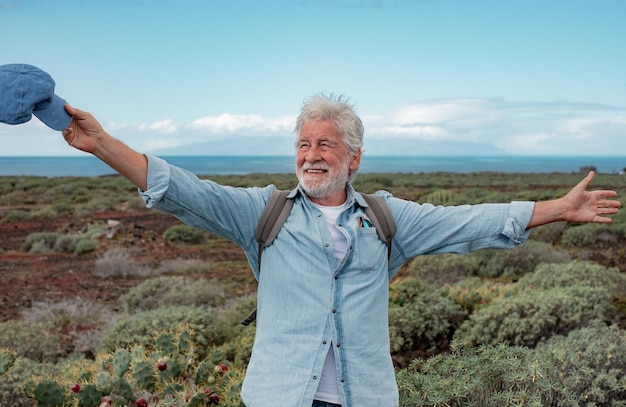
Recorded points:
515,127
166,126
233,123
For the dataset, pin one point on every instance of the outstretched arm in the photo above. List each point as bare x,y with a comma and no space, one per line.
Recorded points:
86,134
579,205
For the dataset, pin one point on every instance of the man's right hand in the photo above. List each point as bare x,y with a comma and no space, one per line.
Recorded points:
86,134
84,131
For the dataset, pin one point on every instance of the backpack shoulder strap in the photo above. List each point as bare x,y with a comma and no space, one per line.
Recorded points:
272,218
378,211
274,214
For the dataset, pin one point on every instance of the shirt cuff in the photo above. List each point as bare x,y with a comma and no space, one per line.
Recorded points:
158,181
516,226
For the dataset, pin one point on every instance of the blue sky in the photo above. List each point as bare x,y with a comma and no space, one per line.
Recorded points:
534,77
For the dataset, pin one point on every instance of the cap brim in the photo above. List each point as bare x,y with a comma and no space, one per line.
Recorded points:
55,116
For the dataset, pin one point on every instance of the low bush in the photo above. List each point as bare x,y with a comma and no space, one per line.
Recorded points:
514,263
183,266
12,382
239,348
420,319
534,315
16,215
78,244
550,233
590,362
487,376
580,273
36,341
442,269
184,234
167,371
588,234
40,242
138,329
473,292
117,262
168,291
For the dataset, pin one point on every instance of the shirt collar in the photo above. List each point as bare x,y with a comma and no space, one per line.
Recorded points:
352,196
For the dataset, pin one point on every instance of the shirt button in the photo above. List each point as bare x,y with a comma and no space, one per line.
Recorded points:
333,310
338,345
342,380
336,276
324,342
314,377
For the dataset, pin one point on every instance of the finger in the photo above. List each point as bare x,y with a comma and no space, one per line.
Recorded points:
587,180
599,194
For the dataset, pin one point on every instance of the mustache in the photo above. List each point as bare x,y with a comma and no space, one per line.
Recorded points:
316,166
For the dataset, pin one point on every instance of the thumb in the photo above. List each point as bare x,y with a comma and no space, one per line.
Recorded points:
587,180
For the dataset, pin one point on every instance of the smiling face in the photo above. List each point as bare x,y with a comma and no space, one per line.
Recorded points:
323,162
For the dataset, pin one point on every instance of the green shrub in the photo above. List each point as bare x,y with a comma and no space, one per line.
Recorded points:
78,244
590,362
166,291
44,214
420,319
588,234
62,205
16,215
165,372
514,263
488,376
12,382
442,269
184,234
551,233
579,273
40,242
474,292
85,245
183,266
33,340
138,329
239,348
117,262
209,326
534,315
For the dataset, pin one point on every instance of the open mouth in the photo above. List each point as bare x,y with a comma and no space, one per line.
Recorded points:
315,171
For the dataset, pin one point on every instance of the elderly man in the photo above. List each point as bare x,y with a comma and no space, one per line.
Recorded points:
322,331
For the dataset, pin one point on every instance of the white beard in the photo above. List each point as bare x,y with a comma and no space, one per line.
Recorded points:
320,189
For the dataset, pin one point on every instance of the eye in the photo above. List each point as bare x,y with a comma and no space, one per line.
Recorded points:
303,144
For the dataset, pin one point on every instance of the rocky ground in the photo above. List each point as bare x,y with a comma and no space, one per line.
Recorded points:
27,278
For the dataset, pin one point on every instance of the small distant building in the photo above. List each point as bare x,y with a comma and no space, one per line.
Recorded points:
586,168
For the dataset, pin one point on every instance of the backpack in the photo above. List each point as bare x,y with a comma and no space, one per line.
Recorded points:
277,211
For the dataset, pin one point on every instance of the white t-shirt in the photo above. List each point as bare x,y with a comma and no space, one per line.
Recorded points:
328,389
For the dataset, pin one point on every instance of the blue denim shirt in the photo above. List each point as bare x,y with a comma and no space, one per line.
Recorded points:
306,300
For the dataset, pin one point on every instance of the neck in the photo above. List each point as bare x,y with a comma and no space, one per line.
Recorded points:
335,199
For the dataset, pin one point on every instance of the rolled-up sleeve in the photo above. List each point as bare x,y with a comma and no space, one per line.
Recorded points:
158,181
516,225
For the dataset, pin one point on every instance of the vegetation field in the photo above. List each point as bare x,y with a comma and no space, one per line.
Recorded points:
98,294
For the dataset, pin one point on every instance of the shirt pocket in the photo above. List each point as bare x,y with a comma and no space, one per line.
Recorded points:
370,251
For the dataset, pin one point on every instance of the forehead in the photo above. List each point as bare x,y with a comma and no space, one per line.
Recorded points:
325,129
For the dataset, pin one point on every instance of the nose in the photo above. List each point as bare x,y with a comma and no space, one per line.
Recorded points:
313,154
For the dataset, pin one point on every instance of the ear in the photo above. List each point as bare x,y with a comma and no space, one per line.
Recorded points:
355,162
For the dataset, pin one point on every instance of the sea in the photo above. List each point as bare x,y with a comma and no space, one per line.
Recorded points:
88,166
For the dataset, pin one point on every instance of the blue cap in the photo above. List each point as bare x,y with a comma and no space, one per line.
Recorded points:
26,90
